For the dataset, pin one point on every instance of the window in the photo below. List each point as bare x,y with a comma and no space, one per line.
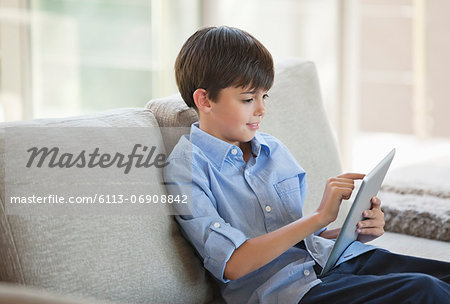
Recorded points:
93,55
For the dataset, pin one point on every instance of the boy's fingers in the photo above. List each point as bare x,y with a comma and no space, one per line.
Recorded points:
343,185
344,191
375,223
373,213
345,180
370,231
376,203
352,175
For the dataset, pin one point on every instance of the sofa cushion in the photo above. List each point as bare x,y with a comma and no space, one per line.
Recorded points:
174,118
121,258
171,111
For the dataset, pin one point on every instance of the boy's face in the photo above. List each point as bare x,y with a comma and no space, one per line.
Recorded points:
236,114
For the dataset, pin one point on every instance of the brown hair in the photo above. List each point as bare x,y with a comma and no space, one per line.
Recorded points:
215,58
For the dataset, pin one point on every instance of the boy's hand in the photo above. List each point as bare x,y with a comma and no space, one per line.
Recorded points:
373,226
336,189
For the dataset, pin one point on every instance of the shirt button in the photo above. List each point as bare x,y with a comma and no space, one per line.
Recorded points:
247,173
234,151
306,272
268,208
216,225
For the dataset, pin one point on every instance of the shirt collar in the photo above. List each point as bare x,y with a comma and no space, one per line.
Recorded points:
257,142
217,150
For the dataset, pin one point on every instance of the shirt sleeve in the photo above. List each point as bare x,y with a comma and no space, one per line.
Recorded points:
213,238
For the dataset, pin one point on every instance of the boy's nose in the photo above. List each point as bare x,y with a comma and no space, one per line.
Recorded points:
260,109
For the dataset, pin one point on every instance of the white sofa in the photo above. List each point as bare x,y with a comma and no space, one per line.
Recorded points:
144,259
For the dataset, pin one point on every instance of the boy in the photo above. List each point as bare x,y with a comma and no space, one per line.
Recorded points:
244,216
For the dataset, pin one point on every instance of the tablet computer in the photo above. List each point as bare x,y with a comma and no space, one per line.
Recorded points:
370,185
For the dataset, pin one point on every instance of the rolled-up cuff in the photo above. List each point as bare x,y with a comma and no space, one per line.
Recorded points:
220,245
318,232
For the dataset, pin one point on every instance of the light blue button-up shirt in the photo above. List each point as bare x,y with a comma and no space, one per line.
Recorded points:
232,201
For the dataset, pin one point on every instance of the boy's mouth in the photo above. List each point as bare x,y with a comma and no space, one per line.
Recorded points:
254,126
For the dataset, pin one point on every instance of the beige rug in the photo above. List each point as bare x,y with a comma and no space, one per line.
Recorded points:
416,199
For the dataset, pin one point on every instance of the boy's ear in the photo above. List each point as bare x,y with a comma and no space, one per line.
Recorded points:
201,100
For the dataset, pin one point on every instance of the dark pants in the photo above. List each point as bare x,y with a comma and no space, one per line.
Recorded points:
380,276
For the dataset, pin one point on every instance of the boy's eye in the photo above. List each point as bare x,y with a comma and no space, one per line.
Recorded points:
265,96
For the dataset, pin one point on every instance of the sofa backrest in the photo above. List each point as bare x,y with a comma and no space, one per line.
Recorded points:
120,258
